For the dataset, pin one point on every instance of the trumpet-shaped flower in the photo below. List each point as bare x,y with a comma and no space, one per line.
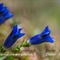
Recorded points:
4,14
41,38
12,38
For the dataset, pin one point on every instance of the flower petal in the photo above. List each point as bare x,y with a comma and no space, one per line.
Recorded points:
15,29
1,7
12,38
40,38
1,20
35,40
21,34
46,31
5,11
48,39
20,29
7,16
4,14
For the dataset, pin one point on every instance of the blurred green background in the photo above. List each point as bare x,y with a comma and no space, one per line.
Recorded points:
33,16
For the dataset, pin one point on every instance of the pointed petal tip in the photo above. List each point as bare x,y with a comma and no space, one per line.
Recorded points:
47,27
52,41
20,29
8,15
23,33
46,31
1,4
15,26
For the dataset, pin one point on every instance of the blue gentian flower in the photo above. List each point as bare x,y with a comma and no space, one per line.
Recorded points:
12,38
4,14
41,38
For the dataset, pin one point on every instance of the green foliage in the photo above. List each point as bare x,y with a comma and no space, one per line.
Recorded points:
9,58
25,44
2,57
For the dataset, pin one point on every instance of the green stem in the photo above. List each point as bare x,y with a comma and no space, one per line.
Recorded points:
25,44
2,50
